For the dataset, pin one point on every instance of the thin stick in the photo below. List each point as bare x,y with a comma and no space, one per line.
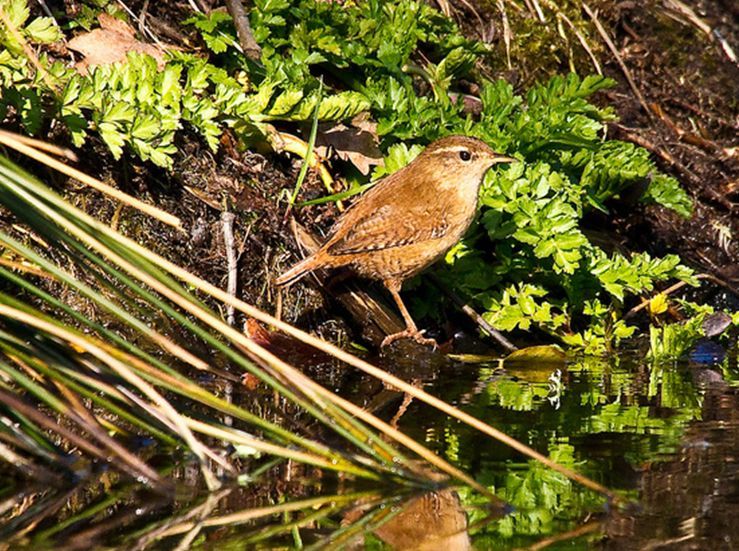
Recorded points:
11,140
146,30
676,287
142,17
506,33
243,29
227,223
477,318
482,322
624,69
636,309
537,9
588,528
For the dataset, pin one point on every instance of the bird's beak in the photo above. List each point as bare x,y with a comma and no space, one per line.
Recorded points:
498,159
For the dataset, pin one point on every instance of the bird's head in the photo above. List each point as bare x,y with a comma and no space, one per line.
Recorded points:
460,159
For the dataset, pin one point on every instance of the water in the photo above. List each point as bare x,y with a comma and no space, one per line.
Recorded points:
666,437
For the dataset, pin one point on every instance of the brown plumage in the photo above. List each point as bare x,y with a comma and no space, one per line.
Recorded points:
408,220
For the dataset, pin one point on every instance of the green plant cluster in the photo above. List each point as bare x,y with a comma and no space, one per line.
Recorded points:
139,105
528,263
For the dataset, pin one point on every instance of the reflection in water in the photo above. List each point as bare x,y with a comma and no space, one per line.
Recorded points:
692,500
429,522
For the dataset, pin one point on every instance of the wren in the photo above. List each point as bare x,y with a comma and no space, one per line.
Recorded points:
407,221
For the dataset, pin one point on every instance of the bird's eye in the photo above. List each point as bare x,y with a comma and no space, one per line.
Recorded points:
465,155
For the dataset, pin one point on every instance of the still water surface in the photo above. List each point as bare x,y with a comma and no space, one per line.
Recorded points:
665,436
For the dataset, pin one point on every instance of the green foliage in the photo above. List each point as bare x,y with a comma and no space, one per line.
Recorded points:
666,191
40,30
216,28
528,262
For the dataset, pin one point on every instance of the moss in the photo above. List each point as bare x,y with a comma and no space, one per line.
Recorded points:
539,49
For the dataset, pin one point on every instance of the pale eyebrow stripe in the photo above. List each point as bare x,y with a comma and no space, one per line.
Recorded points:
455,148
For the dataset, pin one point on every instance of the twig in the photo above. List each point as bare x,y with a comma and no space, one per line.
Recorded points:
476,14
227,223
506,33
676,287
142,17
143,28
445,8
474,316
713,34
243,29
47,11
621,64
537,9
726,47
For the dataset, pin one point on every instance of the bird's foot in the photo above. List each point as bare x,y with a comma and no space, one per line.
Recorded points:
409,334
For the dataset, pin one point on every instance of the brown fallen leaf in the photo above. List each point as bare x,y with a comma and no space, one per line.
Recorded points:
110,44
284,346
357,144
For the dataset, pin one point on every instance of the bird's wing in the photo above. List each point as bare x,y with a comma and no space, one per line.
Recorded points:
401,217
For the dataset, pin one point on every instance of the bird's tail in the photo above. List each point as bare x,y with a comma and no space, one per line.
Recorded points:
302,268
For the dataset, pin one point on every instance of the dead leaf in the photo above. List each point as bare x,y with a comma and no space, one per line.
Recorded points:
357,144
285,346
110,44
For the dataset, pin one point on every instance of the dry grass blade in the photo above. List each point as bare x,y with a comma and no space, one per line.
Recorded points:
11,140
624,69
124,372
507,34
41,145
248,515
238,438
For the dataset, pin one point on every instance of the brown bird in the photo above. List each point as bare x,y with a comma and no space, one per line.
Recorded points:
407,221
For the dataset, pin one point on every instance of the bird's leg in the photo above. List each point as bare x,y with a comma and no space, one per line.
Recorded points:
411,331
